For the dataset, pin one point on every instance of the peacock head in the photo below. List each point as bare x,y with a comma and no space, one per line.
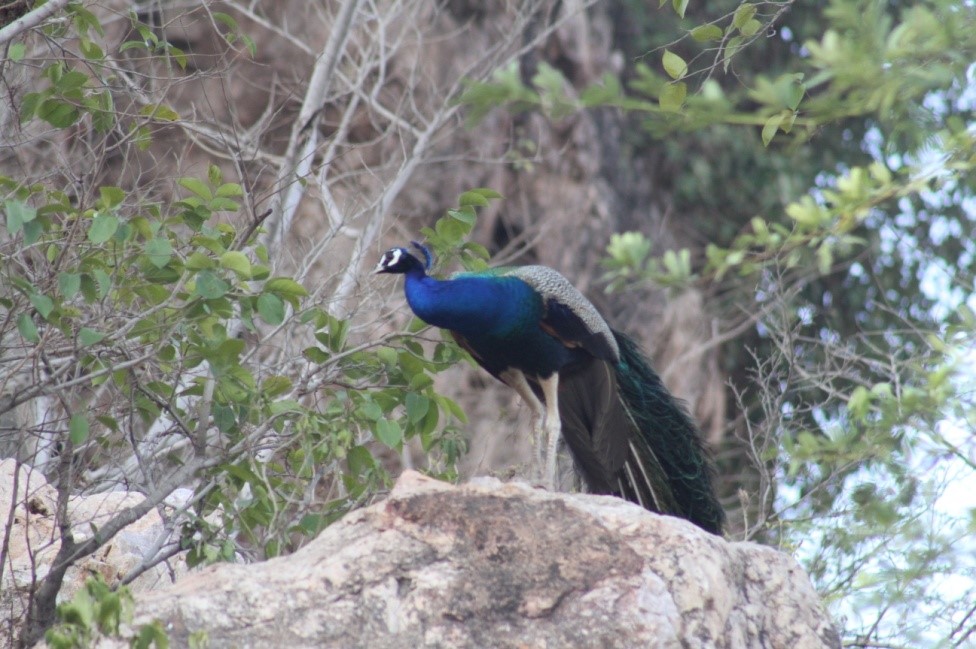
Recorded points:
399,260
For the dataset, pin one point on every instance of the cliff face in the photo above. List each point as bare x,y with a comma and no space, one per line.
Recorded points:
499,565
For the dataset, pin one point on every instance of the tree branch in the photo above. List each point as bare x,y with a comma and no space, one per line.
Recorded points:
285,202
30,20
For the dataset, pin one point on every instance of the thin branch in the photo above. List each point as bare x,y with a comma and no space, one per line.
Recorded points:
286,202
30,20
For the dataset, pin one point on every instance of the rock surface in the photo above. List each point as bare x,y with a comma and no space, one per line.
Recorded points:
499,565
33,542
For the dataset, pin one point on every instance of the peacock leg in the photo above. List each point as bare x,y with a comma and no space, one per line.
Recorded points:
516,380
550,390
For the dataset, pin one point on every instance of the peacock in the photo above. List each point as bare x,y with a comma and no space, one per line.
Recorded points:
530,328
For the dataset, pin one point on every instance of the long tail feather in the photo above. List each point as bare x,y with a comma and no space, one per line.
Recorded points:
666,442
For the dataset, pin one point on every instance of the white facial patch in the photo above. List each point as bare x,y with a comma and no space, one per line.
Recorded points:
390,259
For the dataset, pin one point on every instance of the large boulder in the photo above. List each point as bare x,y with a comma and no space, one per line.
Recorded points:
499,565
28,505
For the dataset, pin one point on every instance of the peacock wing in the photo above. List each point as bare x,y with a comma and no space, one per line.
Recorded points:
569,316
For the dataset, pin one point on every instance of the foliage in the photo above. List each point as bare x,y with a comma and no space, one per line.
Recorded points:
96,609
147,311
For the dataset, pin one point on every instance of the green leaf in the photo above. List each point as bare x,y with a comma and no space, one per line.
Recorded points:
388,432
673,96
225,204
550,82
178,55
228,190
209,286
882,389
750,28
90,50
825,258
372,411
26,327
88,336
199,261
42,303
71,80
271,308
110,197
680,6
465,215
159,112
159,251
237,262
315,355
732,48
132,45
69,284
29,104
487,192
417,406
252,48
770,128
88,288
78,429
674,65
794,94
226,20
275,385
223,417
103,280
85,20
198,187
360,460
18,214
17,52
285,405
32,231
286,287
704,33
214,175
859,402
472,198
58,113
102,228
143,138
607,91
743,15
109,422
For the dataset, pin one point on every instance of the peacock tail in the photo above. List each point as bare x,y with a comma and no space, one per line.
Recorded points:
667,439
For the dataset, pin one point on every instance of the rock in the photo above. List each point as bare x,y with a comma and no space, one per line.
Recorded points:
33,542
499,565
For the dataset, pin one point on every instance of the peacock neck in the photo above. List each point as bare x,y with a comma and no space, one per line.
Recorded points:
471,305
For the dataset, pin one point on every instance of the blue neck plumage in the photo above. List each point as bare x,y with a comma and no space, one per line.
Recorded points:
470,305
